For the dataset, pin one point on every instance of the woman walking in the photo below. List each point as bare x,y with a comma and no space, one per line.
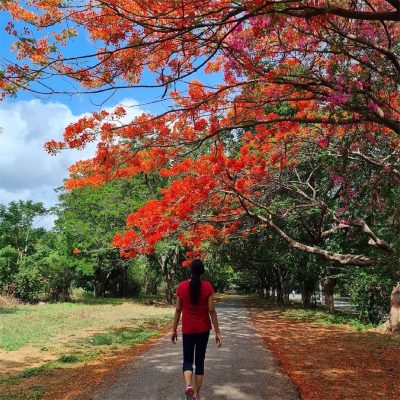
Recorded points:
196,303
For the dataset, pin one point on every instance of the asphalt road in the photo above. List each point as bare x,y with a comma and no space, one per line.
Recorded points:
242,369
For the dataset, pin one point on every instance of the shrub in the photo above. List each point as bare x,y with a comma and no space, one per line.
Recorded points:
370,294
29,284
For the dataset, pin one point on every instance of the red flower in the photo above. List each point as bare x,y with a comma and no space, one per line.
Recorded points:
323,143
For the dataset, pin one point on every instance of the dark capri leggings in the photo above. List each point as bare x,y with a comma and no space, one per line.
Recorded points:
194,348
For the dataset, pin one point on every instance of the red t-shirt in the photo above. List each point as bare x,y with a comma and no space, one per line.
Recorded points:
195,318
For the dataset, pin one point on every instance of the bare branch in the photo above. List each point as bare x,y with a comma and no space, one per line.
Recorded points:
344,259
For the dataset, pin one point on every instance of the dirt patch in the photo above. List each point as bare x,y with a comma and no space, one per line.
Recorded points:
13,362
8,302
331,362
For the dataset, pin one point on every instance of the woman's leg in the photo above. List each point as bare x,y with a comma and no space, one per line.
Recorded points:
201,347
198,380
188,356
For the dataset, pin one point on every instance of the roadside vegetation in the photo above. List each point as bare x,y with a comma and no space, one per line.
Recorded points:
38,341
297,313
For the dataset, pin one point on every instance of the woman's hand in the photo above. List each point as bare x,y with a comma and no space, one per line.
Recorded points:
218,339
174,337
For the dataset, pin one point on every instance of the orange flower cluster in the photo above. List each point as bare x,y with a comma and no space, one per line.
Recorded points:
292,76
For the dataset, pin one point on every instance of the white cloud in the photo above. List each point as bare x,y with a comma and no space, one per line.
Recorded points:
27,172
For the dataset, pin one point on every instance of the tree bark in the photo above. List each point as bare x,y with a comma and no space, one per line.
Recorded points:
329,286
163,260
344,259
268,292
307,289
279,294
286,296
395,309
273,294
279,288
168,271
309,12
151,286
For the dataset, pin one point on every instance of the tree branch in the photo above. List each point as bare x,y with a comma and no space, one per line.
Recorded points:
374,239
344,259
309,12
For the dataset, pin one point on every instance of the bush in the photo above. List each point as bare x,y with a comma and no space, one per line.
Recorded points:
370,294
59,277
8,266
29,284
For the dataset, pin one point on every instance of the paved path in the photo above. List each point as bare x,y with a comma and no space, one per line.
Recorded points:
243,369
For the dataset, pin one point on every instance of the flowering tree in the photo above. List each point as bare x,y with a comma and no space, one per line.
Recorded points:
307,101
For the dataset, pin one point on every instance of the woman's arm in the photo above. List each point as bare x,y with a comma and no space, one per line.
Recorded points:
214,320
177,317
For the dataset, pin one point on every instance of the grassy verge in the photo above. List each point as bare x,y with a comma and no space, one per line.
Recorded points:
323,317
45,325
295,312
37,341
33,393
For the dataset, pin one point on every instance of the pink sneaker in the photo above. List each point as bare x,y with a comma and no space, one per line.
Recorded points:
189,392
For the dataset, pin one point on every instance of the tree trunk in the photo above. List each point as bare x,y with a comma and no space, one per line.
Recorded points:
273,294
268,293
100,282
329,286
321,293
286,290
97,286
395,309
169,294
305,298
307,289
279,292
281,289
151,287
64,293
169,274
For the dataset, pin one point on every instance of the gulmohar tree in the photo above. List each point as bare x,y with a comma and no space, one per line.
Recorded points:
308,95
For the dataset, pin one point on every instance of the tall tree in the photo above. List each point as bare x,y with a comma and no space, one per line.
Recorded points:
332,65
17,226
88,219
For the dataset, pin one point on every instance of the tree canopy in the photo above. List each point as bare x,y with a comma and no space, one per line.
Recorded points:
304,124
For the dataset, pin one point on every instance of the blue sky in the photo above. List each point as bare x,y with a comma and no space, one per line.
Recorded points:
28,121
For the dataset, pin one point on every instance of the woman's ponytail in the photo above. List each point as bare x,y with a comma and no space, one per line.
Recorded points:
196,270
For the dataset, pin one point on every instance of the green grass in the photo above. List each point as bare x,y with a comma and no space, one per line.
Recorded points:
296,312
42,325
114,340
89,349
11,380
122,337
69,358
33,393
323,317
74,332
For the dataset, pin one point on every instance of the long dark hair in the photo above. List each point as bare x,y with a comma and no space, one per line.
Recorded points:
196,270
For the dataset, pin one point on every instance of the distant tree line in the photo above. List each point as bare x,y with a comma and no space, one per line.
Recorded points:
36,263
